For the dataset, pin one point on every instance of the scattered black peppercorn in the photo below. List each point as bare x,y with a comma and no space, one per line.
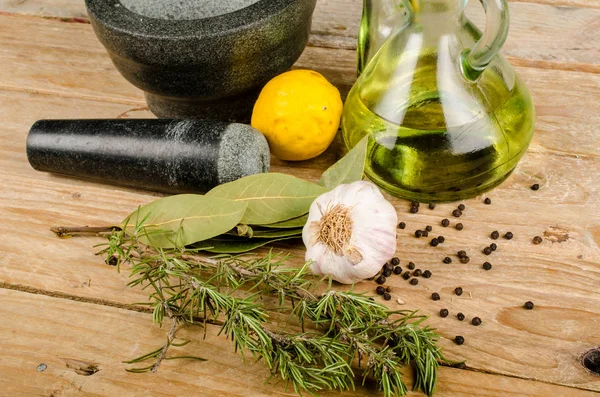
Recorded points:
458,291
476,321
487,250
487,201
380,290
459,340
428,228
535,186
461,207
388,289
441,239
380,280
434,242
401,225
459,226
460,316
445,222
487,265
537,240
465,259
112,261
493,246
426,274
508,235
424,233
528,305
414,204
388,265
414,210
414,281
456,213
387,272
435,296
387,296
444,313
461,253
406,275
447,260
495,235
411,265
395,261
397,270
431,206
418,273
418,233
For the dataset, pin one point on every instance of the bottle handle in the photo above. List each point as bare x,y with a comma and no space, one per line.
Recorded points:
475,60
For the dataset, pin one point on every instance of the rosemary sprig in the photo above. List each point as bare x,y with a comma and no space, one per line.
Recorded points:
190,288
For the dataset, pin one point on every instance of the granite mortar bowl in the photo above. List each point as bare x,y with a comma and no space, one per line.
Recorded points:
202,59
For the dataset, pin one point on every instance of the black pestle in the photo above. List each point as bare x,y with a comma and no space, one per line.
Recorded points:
172,156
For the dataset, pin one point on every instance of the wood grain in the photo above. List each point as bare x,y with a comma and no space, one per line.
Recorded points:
68,336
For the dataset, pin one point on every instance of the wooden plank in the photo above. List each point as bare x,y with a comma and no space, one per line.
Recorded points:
66,335
554,31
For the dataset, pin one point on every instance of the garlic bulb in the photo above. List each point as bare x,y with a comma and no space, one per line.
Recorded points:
350,233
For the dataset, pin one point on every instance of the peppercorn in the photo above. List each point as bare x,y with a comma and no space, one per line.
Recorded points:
459,226
487,250
380,290
406,275
456,213
464,259
459,340
444,313
414,210
535,186
387,272
441,239
508,235
487,201
411,265
493,246
447,260
435,296
434,242
528,305
487,265
415,204
461,253
397,270
112,261
424,233
445,222
418,273
395,261
537,240
476,321
461,207
426,274
418,233
388,265
380,280
460,316
388,289
495,235
401,225
458,291
387,296
414,281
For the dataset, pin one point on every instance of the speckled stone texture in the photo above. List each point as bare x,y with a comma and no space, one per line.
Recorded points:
211,67
185,9
172,156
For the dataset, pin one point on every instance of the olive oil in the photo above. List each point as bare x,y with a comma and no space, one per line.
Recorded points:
435,135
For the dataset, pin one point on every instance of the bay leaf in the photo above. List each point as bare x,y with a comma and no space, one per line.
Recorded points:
276,233
233,245
271,197
290,223
186,218
349,168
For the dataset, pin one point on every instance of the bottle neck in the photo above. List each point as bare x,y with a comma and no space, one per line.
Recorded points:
437,11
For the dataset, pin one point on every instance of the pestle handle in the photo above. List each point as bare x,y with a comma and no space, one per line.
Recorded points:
172,156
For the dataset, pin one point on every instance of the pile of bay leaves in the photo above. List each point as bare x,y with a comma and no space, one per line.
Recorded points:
244,214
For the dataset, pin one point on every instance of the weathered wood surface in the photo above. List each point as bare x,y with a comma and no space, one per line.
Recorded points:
83,350
52,69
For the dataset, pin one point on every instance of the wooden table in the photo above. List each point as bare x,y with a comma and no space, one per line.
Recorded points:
60,305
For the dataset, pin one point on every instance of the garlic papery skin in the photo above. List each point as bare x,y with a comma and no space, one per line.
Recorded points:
350,233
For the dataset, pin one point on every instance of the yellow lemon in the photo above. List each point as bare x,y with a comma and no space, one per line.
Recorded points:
299,114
